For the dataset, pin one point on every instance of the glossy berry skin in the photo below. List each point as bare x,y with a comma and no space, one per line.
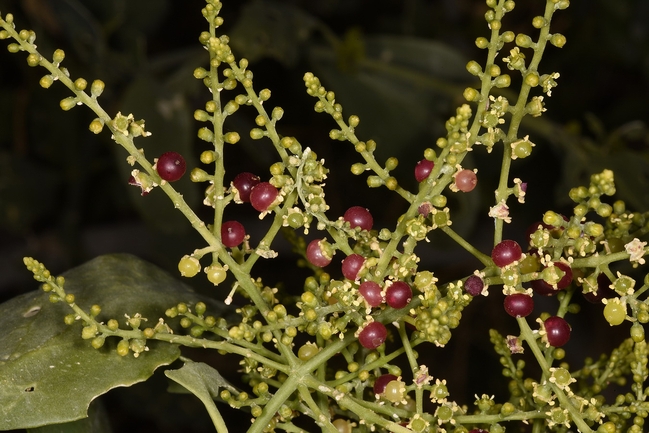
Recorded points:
466,180
373,335
358,216
543,288
170,166
244,182
381,382
371,291
506,252
474,285
314,254
262,196
558,331
232,234
351,265
398,295
519,305
423,169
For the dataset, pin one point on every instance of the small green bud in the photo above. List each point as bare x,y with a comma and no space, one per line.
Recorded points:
256,134
358,168
80,84
637,332
46,81
208,156
391,183
474,68
58,56
33,60
353,121
471,94
502,81
539,22
509,5
202,115
98,342
68,103
532,79
200,73
524,41
482,43
278,113
4,34
205,134
260,120
391,163
495,25
88,332
430,154
210,106
112,325
264,94
69,319
231,107
494,70
97,88
123,348
14,48
69,298
558,40
199,175
231,137
95,310
96,126
508,36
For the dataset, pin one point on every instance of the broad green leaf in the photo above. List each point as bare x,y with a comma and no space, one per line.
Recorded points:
96,422
204,382
48,374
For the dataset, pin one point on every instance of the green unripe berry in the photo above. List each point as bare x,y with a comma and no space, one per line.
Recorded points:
614,312
307,351
522,149
189,266
216,274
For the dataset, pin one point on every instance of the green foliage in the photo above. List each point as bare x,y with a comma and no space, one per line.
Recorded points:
312,358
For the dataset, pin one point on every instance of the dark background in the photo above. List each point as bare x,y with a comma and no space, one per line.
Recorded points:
63,192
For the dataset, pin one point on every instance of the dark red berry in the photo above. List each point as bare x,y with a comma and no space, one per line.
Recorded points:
506,252
244,182
133,181
557,331
170,166
351,265
315,255
232,233
543,288
381,382
425,209
423,169
398,295
474,285
519,305
371,291
603,290
262,196
373,335
358,216
466,180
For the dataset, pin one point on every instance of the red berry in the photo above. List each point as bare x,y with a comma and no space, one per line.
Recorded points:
358,216
232,233
423,169
557,331
543,288
474,285
170,166
398,295
373,335
506,252
371,291
381,382
466,180
244,182
262,195
314,254
519,305
351,265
